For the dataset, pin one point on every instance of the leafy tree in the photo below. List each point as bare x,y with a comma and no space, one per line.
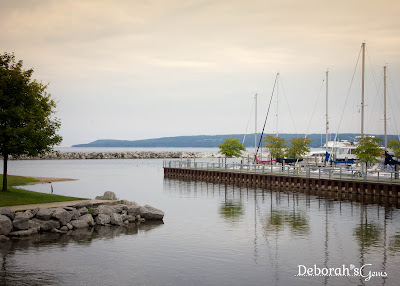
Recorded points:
298,147
275,145
27,124
395,146
368,150
231,147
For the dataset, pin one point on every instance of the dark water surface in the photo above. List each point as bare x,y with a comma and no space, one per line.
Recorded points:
213,234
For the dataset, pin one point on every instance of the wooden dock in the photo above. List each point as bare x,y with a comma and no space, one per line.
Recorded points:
300,178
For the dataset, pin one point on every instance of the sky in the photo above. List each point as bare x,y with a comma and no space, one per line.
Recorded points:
147,69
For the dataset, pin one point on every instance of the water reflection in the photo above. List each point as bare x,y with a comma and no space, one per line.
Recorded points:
34,274
297,222
292,227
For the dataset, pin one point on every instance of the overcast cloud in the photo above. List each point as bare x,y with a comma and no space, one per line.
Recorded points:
145,69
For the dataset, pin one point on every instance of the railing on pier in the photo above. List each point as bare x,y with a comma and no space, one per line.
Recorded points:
338,173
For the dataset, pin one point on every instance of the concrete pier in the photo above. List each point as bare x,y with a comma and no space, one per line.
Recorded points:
300,178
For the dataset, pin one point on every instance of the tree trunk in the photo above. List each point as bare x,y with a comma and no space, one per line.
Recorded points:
5,161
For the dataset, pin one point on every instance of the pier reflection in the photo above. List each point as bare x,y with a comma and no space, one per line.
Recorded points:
292,227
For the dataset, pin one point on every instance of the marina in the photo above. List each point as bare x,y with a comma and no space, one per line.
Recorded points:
377,183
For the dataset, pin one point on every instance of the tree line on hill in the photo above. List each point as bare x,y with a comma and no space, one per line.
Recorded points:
211,141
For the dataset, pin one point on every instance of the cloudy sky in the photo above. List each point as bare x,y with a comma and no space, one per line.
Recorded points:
146,69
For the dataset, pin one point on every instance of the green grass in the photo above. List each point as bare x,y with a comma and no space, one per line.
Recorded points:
14,196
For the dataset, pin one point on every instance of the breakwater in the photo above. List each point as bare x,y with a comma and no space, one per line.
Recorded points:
68,218
118,155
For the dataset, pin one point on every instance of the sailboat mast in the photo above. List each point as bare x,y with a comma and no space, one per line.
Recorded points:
255,123
326,115
384,106
277,102
362,90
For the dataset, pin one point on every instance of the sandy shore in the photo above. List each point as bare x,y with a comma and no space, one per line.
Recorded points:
50,180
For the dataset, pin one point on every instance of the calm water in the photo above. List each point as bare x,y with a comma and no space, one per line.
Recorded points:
213,234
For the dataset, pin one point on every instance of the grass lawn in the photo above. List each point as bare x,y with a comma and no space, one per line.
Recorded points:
14,196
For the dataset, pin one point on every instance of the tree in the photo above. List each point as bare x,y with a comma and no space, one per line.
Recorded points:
395,146
298,148
231,147
27,123
368,150
275,145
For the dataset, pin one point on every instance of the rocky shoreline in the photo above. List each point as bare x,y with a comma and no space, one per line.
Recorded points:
79,216
118,155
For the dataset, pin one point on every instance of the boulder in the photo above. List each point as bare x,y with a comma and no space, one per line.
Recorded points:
120,208
83,204
107,196
23,232
62,216
5,225
130,218
150,213
103,219
8,212
83,211
34,225
69,226
29,214
64,228
133,208
79,223
116,219
3,238
88,218
34,211
102,209
44,214
21,222
47,225
70,209
74,214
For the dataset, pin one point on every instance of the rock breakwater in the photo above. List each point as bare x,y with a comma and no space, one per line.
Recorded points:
118,155
80,216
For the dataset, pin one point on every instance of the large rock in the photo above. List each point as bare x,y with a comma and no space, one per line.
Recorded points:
150,213
131,218
83,211
103,219
119,208
103,209
21,222
116,219
23,232
74,214
107,196
83,204
5,225
47,225
88,218
29,214
70,209
34,225
133,208
79,223
8,212
44,214
62,216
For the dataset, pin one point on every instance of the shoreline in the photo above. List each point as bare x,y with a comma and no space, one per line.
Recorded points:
43,180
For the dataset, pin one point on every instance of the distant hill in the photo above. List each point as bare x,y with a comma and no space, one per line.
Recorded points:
210,140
